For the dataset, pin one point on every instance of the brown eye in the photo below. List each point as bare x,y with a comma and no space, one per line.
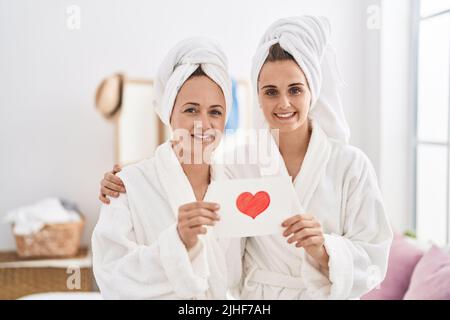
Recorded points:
190,110
216,113
271,92
295,90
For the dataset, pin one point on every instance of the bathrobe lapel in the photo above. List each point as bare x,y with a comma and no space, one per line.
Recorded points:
312,170
170,174
314,165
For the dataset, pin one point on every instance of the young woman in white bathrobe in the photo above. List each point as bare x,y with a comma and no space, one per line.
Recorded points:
151,242
336,245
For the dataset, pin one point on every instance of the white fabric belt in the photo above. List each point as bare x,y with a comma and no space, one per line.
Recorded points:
274,279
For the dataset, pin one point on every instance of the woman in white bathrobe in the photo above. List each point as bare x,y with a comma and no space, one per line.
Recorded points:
151,242
337,243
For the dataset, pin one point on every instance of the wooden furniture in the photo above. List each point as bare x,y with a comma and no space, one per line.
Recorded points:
20,277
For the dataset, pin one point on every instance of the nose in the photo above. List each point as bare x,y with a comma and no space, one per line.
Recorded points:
205,121
284,102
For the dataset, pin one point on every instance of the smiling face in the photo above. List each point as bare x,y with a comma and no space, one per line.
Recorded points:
198,115
283,91
284,95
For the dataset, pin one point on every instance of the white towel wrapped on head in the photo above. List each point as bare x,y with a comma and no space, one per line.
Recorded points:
180,63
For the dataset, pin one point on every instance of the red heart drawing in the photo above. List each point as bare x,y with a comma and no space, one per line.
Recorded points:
253,205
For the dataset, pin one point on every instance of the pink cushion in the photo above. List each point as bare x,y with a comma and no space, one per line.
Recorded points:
403,258
431,278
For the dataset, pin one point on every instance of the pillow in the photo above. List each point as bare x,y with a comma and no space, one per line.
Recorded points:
403,258
431,278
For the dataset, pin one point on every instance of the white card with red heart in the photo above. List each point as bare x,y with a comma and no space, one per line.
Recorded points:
251,207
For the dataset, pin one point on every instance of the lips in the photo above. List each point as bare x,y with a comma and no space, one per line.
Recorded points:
285,115
203,137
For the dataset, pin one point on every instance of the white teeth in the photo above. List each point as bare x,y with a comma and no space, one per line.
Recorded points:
284,115
205,137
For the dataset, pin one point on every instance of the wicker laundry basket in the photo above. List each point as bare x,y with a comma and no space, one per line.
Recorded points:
54,240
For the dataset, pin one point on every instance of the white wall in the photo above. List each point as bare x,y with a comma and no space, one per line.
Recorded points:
396,113
388,107
53,142
371,117
387,111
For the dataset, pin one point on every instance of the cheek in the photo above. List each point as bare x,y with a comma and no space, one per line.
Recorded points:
266,103
218,123
180,121
303,103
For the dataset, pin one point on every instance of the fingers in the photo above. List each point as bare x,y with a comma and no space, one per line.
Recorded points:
311,241
299,225
305,230
305,233
189,235
103,199
198,230
112,178
116,168
192,219
189,215
107,188
200,204
296,218
200,221
291,220
108,192
112,186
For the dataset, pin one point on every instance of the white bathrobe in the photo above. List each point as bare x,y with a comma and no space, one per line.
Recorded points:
337,185
137,252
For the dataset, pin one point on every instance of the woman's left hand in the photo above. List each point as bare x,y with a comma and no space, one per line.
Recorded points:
305,231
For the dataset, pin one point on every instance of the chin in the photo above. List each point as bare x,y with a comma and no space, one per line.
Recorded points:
288,127
203,145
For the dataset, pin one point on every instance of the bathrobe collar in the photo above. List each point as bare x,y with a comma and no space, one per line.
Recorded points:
313,166
176,185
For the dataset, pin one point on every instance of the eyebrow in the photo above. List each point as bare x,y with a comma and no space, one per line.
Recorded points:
192,103
198,105
297,84
291,85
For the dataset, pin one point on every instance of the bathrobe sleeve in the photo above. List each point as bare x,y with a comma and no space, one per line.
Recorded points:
358,258
126,270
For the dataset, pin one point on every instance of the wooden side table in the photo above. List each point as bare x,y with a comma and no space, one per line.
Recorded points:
19,277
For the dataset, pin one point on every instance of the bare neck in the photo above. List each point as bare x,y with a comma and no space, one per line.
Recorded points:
198,174
199,178
294,144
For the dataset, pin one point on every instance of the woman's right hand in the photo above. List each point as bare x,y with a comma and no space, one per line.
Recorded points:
192,218
111,185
